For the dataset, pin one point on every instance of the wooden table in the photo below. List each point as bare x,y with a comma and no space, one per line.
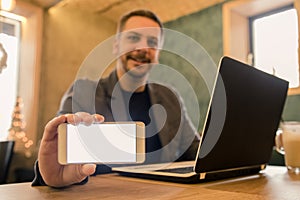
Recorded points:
274,183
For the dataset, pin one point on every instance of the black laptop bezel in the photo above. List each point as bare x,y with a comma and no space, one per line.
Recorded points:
272,91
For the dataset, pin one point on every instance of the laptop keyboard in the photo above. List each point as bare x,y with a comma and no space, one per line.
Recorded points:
182,170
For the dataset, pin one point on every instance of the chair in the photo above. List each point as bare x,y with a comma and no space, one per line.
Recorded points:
6,153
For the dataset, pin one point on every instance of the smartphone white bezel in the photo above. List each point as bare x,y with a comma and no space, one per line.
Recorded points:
140,144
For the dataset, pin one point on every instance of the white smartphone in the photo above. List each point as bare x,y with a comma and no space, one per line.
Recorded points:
111,142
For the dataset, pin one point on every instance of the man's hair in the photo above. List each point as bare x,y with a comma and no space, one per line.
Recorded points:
141,13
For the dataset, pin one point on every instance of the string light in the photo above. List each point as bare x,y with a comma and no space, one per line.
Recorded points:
18,125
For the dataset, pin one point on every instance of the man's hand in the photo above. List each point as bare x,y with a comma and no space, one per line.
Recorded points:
53,173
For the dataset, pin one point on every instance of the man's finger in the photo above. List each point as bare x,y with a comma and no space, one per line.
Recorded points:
88,169
51,127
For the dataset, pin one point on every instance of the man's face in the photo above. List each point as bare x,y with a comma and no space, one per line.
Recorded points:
138,45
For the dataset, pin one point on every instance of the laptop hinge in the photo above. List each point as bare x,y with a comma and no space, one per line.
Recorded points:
202,176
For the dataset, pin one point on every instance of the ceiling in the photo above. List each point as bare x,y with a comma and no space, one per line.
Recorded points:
113,9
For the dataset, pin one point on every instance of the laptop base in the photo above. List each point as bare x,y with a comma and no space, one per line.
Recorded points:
194,178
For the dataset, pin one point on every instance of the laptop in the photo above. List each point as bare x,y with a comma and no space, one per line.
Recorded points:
241,123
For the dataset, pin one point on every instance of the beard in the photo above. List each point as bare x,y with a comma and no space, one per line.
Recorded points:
136,65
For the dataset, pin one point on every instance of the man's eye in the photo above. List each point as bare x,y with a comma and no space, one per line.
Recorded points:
152,43
133,38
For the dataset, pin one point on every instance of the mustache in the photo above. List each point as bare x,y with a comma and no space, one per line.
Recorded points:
139,57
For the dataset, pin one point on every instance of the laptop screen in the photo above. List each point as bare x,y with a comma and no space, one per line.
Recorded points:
244,115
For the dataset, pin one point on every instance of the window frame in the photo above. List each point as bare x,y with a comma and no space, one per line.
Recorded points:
265,14
261,15
31,18
236,16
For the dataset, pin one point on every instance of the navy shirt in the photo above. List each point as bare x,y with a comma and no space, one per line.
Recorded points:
139,110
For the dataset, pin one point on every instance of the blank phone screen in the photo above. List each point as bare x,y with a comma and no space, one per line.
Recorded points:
101,143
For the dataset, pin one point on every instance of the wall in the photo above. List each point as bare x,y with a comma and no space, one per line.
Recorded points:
205,28
292,108
69,35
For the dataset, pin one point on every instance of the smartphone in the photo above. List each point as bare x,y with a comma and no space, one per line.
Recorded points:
107,143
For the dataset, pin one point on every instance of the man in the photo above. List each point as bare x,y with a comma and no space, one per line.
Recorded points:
124,96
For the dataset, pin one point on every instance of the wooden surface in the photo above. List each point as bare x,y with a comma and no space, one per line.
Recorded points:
274,183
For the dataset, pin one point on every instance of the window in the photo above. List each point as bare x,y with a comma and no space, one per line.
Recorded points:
274,43
236,30
9,54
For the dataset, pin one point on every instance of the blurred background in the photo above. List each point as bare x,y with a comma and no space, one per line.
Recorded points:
44,42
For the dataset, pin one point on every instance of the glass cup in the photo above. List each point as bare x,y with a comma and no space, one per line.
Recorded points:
288,143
